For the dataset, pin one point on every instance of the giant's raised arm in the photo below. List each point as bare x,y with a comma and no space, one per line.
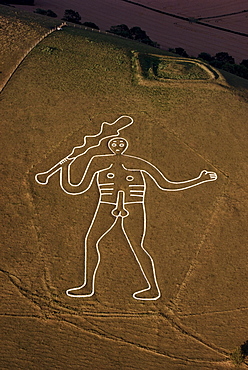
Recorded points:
85,183
107,130
163,183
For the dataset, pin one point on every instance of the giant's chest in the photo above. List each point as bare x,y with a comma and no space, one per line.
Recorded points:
120,178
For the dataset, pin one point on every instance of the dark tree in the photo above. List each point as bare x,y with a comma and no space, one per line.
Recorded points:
205,56
138,34
244,63
91,25
40,11
120,30
236,69
151,43
182,52
224,58
135,33
217,63
48,12
72,16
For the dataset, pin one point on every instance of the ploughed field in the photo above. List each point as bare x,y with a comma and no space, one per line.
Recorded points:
169,32
67,85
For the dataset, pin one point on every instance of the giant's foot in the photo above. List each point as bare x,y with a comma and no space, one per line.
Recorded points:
148,294
82,291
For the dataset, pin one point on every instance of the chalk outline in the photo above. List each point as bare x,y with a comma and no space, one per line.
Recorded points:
81,146
143,186
131,247
143,191
85,259
142,246
212,176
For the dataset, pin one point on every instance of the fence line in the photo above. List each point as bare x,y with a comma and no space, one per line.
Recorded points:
103,32
4,83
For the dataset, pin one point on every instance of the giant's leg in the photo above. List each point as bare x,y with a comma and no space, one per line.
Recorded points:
134,228
102,222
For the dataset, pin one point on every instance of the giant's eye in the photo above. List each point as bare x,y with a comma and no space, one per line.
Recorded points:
113,144
122,145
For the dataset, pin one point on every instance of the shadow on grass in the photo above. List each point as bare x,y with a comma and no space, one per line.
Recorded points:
244,349
235,81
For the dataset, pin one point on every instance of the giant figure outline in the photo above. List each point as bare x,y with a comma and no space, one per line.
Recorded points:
122,187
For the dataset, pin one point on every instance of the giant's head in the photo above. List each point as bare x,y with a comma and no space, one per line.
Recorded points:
118,145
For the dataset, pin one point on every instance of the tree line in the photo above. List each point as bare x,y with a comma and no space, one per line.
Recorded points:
221,60
134,33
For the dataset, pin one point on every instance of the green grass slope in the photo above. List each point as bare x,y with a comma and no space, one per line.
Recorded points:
19,32
64,89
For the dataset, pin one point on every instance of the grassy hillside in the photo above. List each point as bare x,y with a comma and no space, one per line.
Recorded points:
64,89
19,32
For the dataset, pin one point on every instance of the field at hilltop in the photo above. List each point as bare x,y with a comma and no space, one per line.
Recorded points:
169,32
70,83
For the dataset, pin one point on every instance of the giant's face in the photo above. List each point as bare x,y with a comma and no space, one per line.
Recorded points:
118,145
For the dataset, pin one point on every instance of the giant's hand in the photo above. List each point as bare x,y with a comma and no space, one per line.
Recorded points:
43,177
207,176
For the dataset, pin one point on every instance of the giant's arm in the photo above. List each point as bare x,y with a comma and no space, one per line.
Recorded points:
87,178
164,184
